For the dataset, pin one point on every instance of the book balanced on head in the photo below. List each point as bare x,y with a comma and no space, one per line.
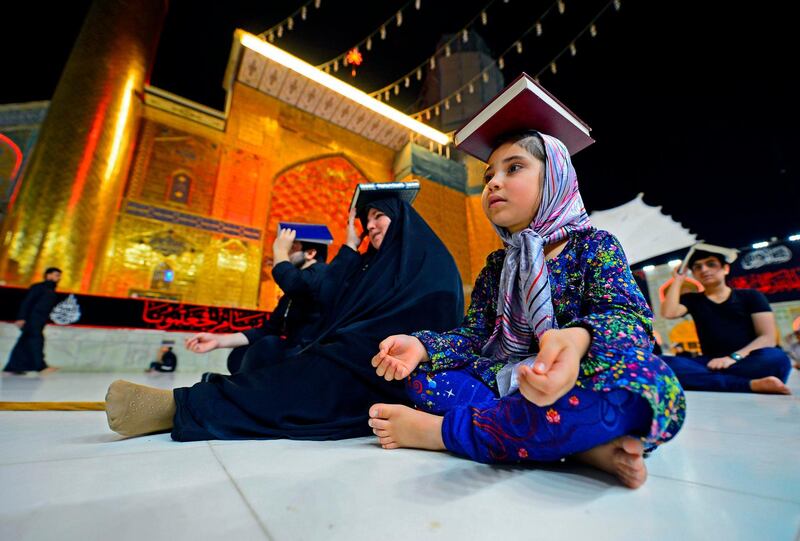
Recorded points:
368,192
729,254
304,232
523,105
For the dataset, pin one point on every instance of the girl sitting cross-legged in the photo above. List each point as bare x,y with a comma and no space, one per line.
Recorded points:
554,357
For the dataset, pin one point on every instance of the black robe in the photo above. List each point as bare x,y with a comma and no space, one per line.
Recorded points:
28,352
291,323
323,390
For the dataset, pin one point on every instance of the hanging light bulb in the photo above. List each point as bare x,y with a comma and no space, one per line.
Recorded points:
484,18
396,89
485,76
501,63
280,30
383,32
561,6
419,74
447,50
433,62
271,36
386,95
418,4
572,49
519,47
458,97
471,88
290,23
617,5
335,65
447,105
538,28
593,30
553,68
317,3
399,18
407,82
464,35
303,12
427,114
369,43
436,110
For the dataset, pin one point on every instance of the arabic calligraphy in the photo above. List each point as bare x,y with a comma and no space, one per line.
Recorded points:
188,317
770,283
766,256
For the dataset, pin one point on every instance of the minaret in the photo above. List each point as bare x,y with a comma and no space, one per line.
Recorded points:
67,202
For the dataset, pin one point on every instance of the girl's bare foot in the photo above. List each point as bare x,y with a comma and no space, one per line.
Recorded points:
134,410
622,457
769,385
400,426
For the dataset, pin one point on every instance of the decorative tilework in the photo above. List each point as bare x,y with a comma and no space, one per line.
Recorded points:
190,220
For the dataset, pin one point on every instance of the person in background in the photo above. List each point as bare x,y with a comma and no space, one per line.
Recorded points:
299,265
28,352
736,328
167,362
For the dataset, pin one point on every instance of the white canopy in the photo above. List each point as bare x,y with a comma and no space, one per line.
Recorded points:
643,231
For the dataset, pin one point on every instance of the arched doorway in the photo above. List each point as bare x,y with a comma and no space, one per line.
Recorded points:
316,191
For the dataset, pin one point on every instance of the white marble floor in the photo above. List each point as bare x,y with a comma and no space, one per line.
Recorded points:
732,473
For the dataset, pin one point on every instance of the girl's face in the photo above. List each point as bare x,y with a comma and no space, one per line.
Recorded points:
377,226
513,187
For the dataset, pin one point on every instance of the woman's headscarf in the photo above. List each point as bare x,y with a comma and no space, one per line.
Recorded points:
410,283
524,306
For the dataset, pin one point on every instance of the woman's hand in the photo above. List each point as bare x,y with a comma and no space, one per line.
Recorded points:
399,355
353,238
203,342
556,368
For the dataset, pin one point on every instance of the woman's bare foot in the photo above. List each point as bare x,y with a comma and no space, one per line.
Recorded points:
622,457
135,410
400,426
769,385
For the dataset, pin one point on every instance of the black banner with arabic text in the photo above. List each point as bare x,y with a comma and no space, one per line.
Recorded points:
114,312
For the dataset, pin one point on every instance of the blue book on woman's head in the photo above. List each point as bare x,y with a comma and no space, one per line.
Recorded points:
315,233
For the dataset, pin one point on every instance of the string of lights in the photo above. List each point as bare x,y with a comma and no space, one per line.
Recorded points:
483,76
277,31
379,34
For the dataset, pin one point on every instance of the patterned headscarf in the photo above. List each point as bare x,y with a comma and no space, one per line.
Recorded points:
524,304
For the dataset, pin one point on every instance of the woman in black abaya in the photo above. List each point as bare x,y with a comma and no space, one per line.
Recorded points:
406,280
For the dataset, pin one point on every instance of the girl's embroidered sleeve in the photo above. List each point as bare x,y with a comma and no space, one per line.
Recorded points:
613,308
460,346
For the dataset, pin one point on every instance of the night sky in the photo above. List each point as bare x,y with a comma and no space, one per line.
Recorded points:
692,103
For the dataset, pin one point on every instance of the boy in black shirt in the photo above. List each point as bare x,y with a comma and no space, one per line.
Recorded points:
736,329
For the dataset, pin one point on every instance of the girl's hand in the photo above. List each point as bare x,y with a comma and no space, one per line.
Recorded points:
556,368
203,342
399,355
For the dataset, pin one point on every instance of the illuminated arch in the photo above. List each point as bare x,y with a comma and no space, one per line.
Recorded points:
317,190
16,153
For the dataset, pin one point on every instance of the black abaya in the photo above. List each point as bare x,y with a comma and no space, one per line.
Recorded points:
323,390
